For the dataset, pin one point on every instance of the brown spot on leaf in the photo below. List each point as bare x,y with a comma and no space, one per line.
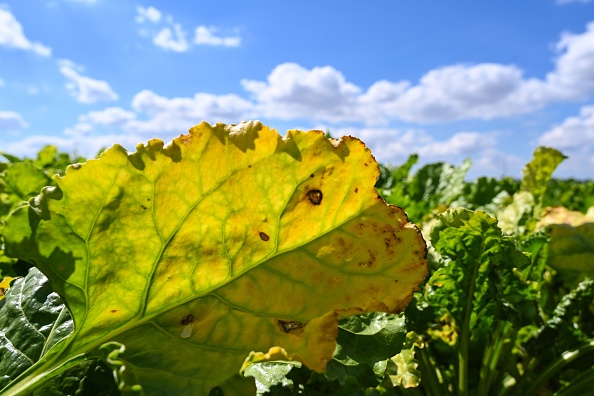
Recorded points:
264,237
356,190
143,207
315,196
312,176
188,319
2,291
289,326
114,310
186,139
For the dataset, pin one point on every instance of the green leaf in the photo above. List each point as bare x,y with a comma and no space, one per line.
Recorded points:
479,287
479,269
269,374
538,172
401,173
90,378
402,368
46,156
485,193
25,180
570,193
230,241
571,324
364,345
571,247
33,320
518,217
439,183
13,159
433,185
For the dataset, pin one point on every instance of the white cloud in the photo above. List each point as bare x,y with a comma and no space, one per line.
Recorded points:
573,133
114,116
458,91
156,115
150,14
10,121
574,137
292,91
86,145
12,35
450,93
173,40
177,114
86,89
207,36
171,36
80,129
573,77
393,146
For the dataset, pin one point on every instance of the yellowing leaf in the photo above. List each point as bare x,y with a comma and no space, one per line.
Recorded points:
538,172
571,248
561,215
229,240
4,285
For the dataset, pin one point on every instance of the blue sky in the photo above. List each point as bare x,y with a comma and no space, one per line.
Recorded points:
447,80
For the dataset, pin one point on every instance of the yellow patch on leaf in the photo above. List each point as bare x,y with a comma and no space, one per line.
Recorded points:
228,242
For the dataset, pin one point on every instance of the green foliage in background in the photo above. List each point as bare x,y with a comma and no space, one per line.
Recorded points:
507,307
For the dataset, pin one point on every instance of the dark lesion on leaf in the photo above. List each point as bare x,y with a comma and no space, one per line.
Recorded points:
188,319
264,237
315,196
289,326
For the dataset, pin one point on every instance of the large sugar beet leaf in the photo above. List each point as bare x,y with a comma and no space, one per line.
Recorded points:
179,261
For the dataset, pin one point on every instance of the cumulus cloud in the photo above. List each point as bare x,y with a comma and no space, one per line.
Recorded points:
10,121
114,116
575,138
573,77
12,35
206,35
292,91
172,36
573,133
85,89
150,14
458,91
80,129
156,115
172,39
393,146
455,92
86,145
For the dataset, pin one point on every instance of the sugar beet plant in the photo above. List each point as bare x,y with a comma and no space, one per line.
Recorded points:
234,262
179,266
